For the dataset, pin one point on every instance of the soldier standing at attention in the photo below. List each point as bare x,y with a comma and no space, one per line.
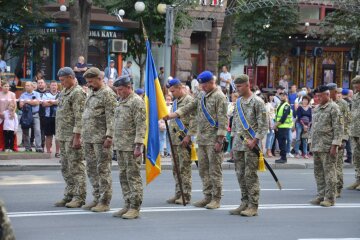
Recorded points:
129,135
345,123
211,106
249,111
6,231
97,134
325,138
68,128
355,132
181,131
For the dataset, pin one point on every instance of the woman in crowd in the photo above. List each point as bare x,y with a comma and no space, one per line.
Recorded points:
270,111
303,123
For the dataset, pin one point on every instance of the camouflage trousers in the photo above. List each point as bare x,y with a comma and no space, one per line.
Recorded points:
355,144
184,164
130,179
246,166
210,171
339,170
325,175
98,167
6,232
73,171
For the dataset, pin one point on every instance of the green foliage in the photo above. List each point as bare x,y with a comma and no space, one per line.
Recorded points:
265,31
20,26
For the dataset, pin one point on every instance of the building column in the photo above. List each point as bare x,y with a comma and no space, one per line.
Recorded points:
213,45
120,63
183,56
62,51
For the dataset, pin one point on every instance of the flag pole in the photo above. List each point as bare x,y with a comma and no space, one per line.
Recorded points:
176,165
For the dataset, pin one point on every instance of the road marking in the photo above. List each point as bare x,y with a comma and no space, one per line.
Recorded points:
262,189
329,239
177,209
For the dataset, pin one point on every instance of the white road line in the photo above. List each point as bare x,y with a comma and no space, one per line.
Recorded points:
329,239
178,209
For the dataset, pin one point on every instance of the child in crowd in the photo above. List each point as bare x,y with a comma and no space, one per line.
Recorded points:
10,127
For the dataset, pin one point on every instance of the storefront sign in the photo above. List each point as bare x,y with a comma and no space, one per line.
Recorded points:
48,30
103,34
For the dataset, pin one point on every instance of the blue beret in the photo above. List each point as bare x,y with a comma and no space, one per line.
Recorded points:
139,91
205,76
173,82
122,81
322,88
345,92
332,86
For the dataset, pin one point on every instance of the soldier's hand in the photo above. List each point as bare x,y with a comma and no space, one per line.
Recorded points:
107,143
218,147
333,150
138,150
76,142
170,116
185,142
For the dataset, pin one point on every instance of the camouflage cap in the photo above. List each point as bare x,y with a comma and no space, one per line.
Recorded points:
243,78
92,73
65,71
356,80
122,81
332,86
322,88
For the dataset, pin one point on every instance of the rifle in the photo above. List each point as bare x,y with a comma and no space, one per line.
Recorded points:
180,135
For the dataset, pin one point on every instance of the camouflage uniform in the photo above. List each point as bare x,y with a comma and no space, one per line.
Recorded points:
210,169
6,232
246,161
182,154
345,122
97,120
130,128
355,134
326,131
68,122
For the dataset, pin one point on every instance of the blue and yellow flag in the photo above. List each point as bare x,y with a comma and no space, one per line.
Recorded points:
155,109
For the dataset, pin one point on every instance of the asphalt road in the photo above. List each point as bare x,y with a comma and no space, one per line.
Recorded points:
285,214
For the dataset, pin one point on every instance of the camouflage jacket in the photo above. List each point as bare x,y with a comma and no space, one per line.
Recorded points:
326,129
69,112
129,123
355,116
187,120
344,117
216,104
98,115
256,116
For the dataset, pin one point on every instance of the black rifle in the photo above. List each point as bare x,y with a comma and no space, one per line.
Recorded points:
181,137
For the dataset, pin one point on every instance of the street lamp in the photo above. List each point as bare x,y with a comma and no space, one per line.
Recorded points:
139,6
63,8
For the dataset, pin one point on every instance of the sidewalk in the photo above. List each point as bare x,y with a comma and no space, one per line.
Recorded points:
54,164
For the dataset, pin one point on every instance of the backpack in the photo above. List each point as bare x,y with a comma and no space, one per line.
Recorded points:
26,120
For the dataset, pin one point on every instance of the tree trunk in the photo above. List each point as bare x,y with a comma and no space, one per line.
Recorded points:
80,14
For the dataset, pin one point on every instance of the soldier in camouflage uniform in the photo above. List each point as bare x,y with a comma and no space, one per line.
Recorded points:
355,132
129,135
246,161
68,129
335,95
97,134
6,232
325,138
211,107
181,139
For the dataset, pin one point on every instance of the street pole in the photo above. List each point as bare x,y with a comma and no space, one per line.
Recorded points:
169,34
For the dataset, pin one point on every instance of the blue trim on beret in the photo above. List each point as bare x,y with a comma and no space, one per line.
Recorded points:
139,91
345,92
205,76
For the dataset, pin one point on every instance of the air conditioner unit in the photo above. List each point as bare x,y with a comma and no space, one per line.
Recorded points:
352,65
118,46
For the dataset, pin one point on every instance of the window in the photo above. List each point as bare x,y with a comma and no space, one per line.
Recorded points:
309,13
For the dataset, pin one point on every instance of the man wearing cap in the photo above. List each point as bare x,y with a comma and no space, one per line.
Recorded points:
110,72
335,95
129,135
355,132
68,132
277,99
325,138
97,134
211,107
283,125
249,109
181,131
140,92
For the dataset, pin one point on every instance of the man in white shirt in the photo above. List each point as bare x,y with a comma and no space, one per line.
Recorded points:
110,72
194,85
285,83
127,72
225,78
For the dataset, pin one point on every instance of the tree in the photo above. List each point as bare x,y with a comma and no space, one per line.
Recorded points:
154,23
264,31
341,27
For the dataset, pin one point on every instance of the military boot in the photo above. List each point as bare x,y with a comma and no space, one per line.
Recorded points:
90,205
62,202
180,201
121,212
214,204
172,200
353,186
75,203
316,201
101,207
338,194
202,203
327,203
358,188
131,214
238,210
249,212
